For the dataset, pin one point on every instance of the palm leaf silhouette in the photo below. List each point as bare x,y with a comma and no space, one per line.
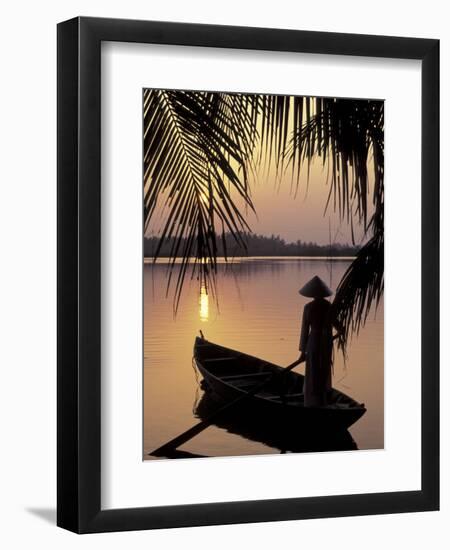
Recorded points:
196,149
199,148
349,136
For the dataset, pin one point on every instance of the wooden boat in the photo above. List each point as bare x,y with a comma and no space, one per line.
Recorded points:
229,374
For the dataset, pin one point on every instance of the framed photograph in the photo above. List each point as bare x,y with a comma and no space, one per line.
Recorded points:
248,258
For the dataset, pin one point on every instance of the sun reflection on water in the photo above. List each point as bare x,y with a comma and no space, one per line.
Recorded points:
203,304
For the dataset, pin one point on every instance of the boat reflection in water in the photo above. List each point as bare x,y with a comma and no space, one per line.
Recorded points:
277,431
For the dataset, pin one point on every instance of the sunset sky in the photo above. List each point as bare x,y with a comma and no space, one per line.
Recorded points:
298,213
283,208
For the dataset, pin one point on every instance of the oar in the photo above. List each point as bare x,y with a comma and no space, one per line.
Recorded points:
195,430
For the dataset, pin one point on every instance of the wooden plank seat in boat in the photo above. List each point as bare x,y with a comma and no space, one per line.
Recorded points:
279,397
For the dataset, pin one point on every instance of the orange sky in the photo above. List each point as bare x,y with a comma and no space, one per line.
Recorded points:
292,216
281,211
298,213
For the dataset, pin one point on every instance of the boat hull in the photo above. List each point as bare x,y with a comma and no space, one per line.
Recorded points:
265,406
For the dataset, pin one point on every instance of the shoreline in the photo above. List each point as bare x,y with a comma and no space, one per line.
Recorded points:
240,259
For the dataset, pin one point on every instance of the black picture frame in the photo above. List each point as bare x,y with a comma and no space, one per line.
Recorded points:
79,280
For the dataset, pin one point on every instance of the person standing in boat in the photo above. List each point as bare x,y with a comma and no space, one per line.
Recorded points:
316,342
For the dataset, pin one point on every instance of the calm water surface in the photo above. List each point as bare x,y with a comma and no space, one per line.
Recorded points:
259,313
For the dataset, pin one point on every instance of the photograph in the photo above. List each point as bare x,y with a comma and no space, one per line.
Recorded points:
263,259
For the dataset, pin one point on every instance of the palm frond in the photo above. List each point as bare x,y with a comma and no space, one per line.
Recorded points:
360,288
342,133
199,148
196,151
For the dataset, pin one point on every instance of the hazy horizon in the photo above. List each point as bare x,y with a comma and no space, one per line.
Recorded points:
289,211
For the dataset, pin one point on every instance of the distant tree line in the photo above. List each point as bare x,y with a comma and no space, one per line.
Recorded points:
257,245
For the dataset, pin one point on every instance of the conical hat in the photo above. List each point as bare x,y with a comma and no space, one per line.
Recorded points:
315,288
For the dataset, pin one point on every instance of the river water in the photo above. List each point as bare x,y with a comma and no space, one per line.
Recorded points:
258,311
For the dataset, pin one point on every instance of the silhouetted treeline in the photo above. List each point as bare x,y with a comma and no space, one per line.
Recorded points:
258,245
